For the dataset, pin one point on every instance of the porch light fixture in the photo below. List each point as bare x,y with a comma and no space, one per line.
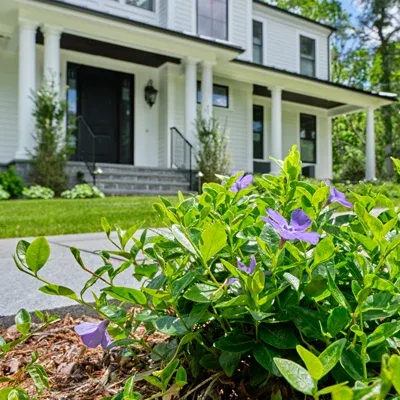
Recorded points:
150,93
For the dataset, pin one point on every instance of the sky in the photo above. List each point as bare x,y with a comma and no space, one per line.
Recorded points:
351,7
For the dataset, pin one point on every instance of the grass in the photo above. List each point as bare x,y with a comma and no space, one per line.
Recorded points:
23,218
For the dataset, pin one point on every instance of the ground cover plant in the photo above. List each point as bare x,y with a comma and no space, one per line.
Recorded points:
261,290
83,191
21,218
12,182
38,193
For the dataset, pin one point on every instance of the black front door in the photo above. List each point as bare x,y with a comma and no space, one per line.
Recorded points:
105,101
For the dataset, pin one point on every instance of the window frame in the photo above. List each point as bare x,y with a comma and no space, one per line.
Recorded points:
263,132
227,21
257,21
214,85
305,57
314,141
122,5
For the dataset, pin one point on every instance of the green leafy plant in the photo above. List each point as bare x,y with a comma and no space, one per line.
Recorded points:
212,157
12,182
4,195
83,191
35,371
51,151
38,193
258,287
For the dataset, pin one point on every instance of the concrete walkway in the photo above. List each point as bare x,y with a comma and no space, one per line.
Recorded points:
19,290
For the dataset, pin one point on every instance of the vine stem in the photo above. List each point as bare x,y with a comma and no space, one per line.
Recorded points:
211,378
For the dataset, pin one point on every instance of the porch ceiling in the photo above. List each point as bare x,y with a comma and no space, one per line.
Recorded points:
110,50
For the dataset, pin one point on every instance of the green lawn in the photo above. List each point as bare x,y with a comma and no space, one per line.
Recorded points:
21,218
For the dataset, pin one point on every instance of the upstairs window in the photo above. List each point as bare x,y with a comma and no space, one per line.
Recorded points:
257,42
212,18
308,138
307,56
145,4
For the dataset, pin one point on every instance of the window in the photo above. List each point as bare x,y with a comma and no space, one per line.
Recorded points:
212,18
308,138
220,95
145,4
307,56
258,132
257,42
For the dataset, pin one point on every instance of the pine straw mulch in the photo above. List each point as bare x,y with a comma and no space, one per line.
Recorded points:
75,371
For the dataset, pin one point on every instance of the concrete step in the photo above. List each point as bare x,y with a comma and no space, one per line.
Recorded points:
139,186
140,176
155,193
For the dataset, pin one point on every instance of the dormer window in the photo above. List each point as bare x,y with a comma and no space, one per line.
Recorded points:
212,18
307,56
145,4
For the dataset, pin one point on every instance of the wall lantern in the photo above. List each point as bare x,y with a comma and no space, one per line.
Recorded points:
150,93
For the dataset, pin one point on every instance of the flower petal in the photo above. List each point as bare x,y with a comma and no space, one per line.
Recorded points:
93,339
106,340
309,237
86,328
288,235
246,181
234,188
276,217
243,267
272,223
231,281
300,221
253,264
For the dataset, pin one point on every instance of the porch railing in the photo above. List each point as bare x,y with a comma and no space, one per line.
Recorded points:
181,153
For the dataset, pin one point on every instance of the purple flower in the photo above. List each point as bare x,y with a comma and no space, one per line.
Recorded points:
250,269
231,281
336,196
93,334
299,223
241,183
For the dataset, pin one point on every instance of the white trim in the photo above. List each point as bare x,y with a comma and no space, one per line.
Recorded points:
309,35
317,129
121,5
264,38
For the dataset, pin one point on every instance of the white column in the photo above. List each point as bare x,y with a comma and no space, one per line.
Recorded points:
26,85
52,36
370,172
207,91
276,126
329,161
190,99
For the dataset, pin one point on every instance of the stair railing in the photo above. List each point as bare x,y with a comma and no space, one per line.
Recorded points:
181,153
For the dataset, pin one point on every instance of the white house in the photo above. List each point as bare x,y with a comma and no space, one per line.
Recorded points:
262,71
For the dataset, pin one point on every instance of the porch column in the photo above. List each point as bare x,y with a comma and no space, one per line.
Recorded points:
52,36
26,84
190,99
370,170
207,91
276,126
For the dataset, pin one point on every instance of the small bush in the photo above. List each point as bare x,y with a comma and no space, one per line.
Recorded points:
38,193
212,157
12,182
83,191
4,195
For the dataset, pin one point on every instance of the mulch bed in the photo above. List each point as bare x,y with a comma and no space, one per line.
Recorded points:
75,371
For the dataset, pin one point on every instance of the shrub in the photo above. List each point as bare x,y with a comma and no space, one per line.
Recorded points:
263,291
12,182
212,156
38,193
4,195
83,191
51,151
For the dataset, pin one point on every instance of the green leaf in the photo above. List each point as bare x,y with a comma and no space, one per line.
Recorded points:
148,271
56,290
23,321
383,332
133,296
258,282
179,285
307,321
320,197
331,355
154,381
264,355
181,377
213,240
323,251
182,239
113,312
203,293
296,375
229,361
313,364
22,248
170,326
280,336
106,226
338,320
336,293
129,386
235,343
352,363
37,254
167,373
5,392
330,389
344,393
39,377
16,394
394,368
369,222
316,287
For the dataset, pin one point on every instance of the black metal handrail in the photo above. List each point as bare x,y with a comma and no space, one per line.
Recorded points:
88,157
181,152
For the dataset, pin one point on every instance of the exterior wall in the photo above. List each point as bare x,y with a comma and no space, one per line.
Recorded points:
8,105
282,41
185,16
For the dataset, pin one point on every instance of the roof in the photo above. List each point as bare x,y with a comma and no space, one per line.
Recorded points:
387,96
282,10
139,24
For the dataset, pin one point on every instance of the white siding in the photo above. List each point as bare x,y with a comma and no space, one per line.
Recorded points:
184,16
8,106
239,29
